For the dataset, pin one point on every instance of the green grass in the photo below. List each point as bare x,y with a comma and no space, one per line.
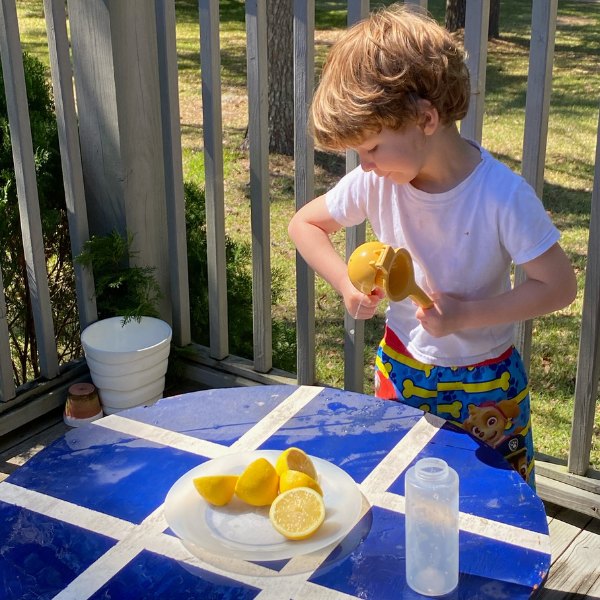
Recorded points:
567,187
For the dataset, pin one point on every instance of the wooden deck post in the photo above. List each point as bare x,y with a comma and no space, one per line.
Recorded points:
116,69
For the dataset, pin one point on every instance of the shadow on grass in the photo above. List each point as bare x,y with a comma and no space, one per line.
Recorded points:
572,204
334,342
332,162
229,11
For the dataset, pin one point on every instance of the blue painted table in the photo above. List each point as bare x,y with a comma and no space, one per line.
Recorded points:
84,517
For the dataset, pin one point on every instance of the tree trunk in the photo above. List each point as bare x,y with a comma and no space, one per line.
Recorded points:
280,34
455,14
494,30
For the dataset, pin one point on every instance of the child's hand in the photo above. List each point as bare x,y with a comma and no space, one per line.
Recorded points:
361,306
445,317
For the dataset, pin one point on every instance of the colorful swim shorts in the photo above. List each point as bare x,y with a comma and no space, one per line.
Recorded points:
489,399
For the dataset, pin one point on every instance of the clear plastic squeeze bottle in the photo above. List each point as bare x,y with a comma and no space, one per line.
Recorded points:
431,491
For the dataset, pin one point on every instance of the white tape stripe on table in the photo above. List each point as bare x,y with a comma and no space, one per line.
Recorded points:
86,584
251,440
377,482
373,488
503,532
405,451
495,530
133,538
278,417
172,439
65,511
101,571
273,588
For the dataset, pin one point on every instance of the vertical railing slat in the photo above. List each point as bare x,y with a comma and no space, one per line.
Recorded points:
258,134
29,208
421,3
476,36
171,134
304,162
588,361
7,381
98,120
210,60
354,329
70,154
537,110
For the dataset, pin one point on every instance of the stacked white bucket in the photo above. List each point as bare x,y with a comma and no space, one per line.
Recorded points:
127,362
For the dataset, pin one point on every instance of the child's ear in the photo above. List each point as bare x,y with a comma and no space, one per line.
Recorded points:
431,120
429,117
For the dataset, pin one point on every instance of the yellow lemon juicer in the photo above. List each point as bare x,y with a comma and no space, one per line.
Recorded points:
375,264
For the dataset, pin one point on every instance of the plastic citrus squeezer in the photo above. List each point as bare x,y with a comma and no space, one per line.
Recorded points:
375,264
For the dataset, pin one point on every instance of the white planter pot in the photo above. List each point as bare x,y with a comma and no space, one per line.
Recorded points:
125,368
107,410
127,362
122,400
108,341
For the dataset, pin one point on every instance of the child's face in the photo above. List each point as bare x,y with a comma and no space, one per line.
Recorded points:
399,155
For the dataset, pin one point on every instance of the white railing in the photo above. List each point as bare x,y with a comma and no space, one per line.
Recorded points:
98,149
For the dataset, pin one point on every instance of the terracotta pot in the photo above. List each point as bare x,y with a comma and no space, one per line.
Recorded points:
83,405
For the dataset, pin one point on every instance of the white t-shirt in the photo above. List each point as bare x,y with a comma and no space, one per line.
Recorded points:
462,243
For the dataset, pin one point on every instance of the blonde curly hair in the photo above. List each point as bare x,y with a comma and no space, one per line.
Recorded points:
377,73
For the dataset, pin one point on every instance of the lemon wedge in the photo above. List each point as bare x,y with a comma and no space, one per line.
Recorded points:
294,479
258,484
295,459
297,513
216,489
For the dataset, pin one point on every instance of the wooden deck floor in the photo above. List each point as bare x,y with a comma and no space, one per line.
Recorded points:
575,538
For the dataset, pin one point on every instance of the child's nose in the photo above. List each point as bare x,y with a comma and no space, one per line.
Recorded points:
366,163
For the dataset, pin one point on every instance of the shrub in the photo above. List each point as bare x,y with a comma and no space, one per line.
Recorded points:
122,290
55,230
239,289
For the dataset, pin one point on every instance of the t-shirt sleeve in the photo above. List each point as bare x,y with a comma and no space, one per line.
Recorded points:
526,230
346,201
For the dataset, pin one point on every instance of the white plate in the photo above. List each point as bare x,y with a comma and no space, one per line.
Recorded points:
241,531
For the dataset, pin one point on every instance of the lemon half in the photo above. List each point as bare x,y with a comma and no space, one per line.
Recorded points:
294,479
258,484
295,459
216,489
297,513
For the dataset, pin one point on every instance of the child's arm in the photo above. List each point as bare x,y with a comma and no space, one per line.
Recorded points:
551,285
310,229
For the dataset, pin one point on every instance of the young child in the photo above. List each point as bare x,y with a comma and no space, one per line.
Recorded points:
393,88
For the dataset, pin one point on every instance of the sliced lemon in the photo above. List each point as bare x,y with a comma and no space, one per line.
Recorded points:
216,489
297,513
294,479
295,459
258,484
